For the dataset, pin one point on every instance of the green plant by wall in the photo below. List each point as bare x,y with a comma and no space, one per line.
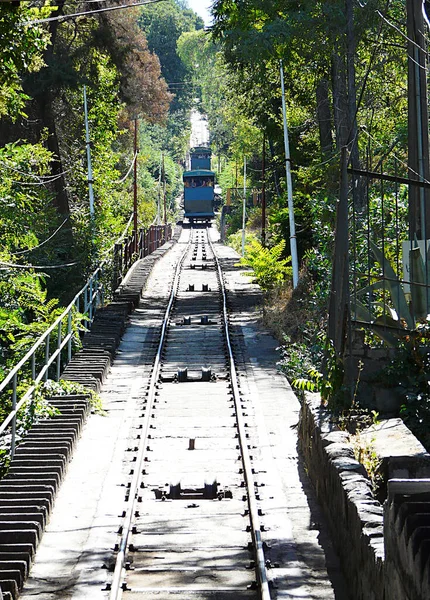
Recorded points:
267,265
329,381
408,372
365,453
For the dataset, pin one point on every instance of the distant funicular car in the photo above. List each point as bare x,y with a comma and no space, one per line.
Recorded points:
200,158
199,195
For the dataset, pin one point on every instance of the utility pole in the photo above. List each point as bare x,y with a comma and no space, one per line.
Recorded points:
293,241
263,193
235,185
164,196
418,138
159,191
88,145
244,206
135,187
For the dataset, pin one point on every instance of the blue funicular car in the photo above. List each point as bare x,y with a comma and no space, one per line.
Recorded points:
199,195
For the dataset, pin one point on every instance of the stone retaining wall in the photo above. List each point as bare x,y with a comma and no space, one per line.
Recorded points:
384,551
355,517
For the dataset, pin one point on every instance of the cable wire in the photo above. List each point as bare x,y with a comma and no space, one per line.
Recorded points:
42,179
42,243
89,12
129,171
5,266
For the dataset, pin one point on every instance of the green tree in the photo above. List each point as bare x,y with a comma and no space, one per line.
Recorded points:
163,25
21,46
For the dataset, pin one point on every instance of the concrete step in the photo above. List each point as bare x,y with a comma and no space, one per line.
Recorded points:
14,570
9,588
30,517
42,447
18,558
24,498
25,510
31,478
30,535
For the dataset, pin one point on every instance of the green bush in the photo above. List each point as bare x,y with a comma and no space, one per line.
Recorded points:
268,266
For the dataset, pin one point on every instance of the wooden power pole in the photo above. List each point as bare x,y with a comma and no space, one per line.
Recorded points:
263,194
136,242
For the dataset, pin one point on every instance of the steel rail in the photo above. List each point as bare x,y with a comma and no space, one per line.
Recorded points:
116,589
260,564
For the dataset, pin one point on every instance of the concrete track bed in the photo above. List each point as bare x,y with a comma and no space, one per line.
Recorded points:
91,364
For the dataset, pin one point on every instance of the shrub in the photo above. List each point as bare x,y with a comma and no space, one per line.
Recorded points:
267,265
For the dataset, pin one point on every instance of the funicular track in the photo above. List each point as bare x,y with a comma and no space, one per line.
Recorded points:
191,524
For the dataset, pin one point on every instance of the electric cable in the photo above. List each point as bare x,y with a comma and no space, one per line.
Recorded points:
423,179
122,236
89,12
42,243
5,266
42,179
128,172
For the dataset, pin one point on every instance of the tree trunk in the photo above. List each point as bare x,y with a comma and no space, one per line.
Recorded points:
358,191
339,295
46,121
324,118
340,100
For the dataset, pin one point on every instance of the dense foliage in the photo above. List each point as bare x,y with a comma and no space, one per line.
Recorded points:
49,242
345,68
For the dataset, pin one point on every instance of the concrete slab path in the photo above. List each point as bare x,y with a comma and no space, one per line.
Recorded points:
73,557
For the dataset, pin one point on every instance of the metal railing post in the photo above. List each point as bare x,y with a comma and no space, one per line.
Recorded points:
102,288
125,266
13,437
48,341
59,340
90,311
141,243
69,333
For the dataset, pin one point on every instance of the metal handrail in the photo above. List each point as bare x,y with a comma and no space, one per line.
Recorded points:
92,296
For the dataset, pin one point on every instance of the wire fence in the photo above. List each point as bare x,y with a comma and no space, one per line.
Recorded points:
389,260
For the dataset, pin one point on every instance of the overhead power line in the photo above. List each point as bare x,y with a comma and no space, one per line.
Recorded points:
42,243
128,172
89,12
5,266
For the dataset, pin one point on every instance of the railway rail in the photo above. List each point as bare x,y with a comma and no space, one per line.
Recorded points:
191,522
189,487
